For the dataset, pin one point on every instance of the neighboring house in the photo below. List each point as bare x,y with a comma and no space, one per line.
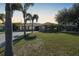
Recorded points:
69,27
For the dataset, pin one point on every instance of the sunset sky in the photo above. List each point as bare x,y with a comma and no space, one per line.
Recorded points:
46,11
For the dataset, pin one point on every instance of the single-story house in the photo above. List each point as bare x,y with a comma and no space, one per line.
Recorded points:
36,26
45,27
29,26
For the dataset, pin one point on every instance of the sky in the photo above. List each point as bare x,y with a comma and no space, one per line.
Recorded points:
45,11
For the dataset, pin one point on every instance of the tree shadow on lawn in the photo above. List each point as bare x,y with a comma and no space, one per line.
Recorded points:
30,37
51,32
17,40
71,33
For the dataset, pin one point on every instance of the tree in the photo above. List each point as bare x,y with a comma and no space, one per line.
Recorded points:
16,6
76,13
2,17
62,18
35,17
8,31
9,8
69,16
28,17
15,27
32,18
24,9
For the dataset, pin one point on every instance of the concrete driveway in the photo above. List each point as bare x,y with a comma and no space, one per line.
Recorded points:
2,37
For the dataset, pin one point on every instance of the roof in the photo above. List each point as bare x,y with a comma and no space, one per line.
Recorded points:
34,24
47,23
29,24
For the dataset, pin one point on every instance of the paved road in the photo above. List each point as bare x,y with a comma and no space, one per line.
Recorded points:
2,37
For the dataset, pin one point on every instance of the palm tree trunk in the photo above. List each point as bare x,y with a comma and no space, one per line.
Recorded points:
24,25
32,26
24,29
8,31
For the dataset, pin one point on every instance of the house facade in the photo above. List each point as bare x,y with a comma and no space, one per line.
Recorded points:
36,26
45,27
69,27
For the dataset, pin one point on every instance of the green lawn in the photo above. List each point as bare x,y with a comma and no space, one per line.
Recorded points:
48,44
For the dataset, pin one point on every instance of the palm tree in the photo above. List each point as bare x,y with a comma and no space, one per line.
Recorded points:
9,8
2,17
16,6
32,18
25,8
8,31
35,17
28,17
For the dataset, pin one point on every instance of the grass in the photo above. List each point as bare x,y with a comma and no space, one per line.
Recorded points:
1,51
48,44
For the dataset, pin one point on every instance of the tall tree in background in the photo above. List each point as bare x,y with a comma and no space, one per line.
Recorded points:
76,13
69,16
28,17
32,18
35,17
24,11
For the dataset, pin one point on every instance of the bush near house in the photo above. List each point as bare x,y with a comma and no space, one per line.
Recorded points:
15,27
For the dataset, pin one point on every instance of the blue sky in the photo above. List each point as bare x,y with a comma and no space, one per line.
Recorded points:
46,11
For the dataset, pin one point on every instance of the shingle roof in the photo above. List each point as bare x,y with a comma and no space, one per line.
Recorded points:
29,24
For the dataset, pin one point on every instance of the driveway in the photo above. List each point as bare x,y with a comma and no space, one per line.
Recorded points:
2,37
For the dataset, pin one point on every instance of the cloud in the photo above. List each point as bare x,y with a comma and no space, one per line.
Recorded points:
17,19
